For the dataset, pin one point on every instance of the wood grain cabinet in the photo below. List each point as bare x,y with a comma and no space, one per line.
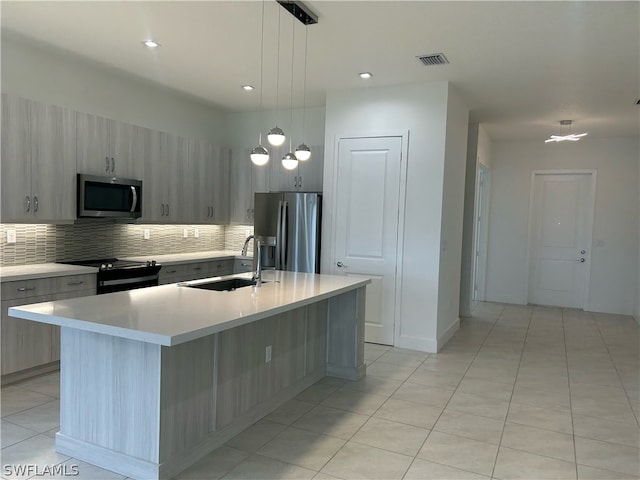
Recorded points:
28,345
108,147
165,185
209,174
306,177
38,161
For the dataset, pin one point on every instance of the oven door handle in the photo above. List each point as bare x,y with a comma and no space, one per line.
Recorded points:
134,203
123,281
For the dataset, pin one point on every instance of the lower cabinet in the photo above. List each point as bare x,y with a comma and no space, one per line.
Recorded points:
27,345
184,272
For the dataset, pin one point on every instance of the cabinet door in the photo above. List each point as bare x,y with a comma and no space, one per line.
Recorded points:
93,151
281,179
127,149
220,181
25,344
16,159
153,188
175,161
241,197
201,161
310,172
53,162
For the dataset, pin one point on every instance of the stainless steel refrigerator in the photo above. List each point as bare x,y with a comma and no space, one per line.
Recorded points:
288,226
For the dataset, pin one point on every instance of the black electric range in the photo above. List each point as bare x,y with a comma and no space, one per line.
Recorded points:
118,275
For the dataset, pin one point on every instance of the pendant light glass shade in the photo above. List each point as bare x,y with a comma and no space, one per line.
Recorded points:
289,161
303,153
259,155
276,136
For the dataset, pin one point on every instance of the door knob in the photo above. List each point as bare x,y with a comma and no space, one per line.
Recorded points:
341,265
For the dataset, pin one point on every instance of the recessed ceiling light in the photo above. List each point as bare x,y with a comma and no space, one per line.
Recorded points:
248,88
151,43
366,75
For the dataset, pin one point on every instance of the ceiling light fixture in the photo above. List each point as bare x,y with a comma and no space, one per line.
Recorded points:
151,43
248,88
276,135
303,152
572,137
260,155
290,161
366,75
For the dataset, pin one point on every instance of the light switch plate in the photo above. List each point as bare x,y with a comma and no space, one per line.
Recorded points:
11,235
146,234
196,233
185,233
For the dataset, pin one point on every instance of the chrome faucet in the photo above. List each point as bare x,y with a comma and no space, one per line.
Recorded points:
246,243
257,275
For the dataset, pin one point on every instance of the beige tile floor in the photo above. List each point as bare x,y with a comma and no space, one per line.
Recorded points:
518,393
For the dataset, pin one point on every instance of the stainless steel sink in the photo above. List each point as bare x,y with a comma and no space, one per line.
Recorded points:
220,285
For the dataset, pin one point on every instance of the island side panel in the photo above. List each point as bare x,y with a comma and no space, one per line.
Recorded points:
109,400
187,396
345,332
248,387
316,345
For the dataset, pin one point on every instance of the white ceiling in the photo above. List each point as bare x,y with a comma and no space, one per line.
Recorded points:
521,67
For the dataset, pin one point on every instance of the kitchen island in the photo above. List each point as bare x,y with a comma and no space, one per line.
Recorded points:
154,379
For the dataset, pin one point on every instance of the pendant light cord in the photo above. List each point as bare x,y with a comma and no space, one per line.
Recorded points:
293,46
304,84
261,69
278,67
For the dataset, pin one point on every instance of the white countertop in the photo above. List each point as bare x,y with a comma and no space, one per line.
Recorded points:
172,314
41,270
177,258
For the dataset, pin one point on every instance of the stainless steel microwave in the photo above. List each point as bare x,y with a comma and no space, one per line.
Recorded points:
109,197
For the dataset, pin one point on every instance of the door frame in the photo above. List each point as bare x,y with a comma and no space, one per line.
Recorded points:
480,233
402,195
589,229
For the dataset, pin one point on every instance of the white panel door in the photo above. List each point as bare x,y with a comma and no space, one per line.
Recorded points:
366,242
560,238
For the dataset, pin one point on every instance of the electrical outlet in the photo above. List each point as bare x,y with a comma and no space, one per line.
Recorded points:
185,233
267,354
11,235
196,233
146,234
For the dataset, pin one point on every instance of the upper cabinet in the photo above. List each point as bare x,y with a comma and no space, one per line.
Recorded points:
306,177
38,161
209,173
108,147
241,198
165,185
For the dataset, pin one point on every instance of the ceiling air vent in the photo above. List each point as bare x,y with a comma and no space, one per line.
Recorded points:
433,59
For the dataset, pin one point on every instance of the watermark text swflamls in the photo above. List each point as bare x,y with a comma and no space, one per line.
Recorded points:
28,470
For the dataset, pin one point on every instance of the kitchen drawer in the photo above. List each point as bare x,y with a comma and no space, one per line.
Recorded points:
242,265
47,286
220,268
171,274
26,288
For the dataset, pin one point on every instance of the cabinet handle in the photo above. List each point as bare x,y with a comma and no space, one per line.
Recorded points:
167,209
171,271
107,162
162,209
295,182
197,269
35,204
26,289
28,203
300,181
113,165
71,284
245,265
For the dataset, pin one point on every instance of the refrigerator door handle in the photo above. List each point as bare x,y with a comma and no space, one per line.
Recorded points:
282,238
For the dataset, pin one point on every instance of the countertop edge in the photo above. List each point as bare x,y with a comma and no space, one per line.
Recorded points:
42,270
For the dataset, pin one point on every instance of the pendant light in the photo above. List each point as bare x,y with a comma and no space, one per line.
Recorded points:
290,161
260,155
276,135
303,153
572,137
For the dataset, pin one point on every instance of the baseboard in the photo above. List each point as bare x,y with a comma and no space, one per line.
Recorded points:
421,344
448,334
30,373
352,374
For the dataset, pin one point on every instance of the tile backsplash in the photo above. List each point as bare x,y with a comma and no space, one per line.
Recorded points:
53,243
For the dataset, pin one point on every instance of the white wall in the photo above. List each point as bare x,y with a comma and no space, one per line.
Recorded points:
614,275
40,73
421,111
452,215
